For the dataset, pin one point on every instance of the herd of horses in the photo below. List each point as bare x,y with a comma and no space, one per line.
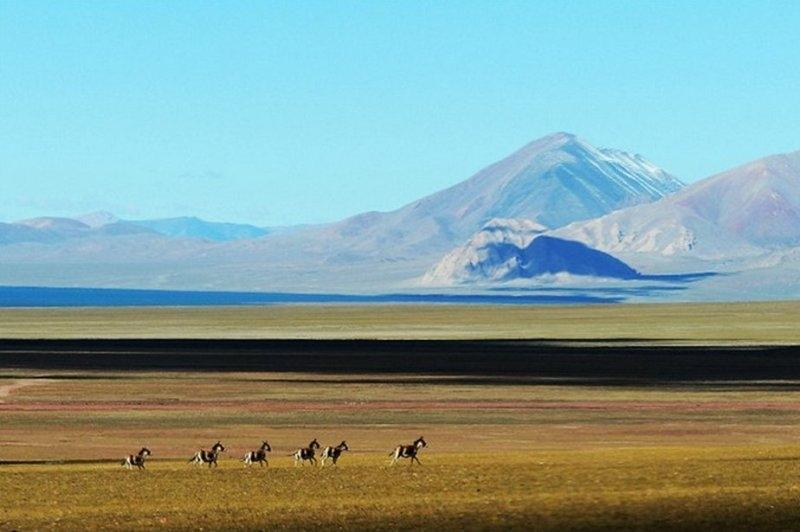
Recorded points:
301,455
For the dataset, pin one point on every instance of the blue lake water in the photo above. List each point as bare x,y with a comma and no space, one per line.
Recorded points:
15,296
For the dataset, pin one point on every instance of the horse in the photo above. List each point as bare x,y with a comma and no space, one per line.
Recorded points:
333,453
408,451
259,455
306,453
208,457
136,460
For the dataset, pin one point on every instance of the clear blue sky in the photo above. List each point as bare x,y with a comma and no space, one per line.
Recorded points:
287,112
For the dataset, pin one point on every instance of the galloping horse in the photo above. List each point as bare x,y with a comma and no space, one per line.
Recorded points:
259,455
208,457
306,453
408,451
333,453
136,460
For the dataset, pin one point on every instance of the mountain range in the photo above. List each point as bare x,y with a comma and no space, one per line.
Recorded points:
556,205
554,181
55,229
745,211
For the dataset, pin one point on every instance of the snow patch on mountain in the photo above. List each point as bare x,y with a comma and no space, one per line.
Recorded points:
98,219
555,180
55,224
743,212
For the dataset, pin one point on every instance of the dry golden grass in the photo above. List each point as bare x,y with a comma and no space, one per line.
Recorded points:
774,322
640,488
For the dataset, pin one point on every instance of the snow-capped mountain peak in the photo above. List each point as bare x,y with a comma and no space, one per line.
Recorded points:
555,180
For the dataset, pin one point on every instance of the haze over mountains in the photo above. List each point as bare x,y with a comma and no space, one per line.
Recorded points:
54,229
557,190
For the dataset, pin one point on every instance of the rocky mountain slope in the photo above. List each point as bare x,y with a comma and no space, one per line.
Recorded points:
506,250
746,211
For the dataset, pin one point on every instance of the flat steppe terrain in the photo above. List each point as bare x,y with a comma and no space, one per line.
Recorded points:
501,454
770,322
645,417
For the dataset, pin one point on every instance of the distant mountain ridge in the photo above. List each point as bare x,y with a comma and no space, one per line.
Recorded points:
52,230
746,211
530,209
193,227
56,229
555,180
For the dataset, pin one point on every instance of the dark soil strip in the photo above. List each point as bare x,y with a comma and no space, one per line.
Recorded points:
527,360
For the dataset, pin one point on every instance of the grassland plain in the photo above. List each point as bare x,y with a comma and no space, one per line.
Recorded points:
740,488
501,455
505,452
769,322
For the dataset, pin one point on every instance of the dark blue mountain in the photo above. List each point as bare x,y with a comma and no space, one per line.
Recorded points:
516,249
550,255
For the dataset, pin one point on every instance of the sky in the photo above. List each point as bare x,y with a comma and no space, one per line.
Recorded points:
278,113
